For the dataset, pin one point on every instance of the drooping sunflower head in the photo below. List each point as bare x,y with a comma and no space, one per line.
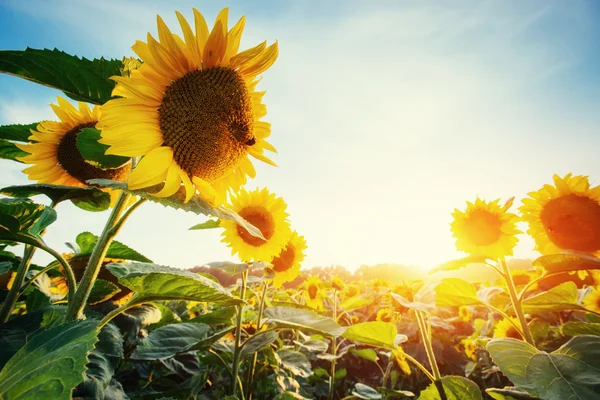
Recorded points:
386,315
338,284
191,109
464,313
286,265
485,228
592,300
313,292
565,216
267,213
54,152
506,329
351,290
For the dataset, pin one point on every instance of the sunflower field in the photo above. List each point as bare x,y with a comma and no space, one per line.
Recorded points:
181,125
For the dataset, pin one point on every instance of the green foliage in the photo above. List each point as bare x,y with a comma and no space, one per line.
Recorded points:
581,328
376,333
229,268
295,318
566,262
455,387
102,291
21,220
17,132
220,316
86,241
363,391
366,354
210,224
156,282
456,292
572,371
257,342
295,362
89,199
9,151
460,263
167,341
561,297
92,150
51,364
79,78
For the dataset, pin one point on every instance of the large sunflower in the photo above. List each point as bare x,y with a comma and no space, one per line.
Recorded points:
54,151
565,216
485,228
266,212
191,110
287,264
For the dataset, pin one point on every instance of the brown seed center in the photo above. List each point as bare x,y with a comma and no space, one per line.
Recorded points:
260,218
285,260
312,291
483,227
71,160
573,222
206,117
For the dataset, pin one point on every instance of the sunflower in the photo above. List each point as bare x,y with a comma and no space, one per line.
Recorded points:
54,151
386,315
313,293
351,290
464,313
400,358
506,329
592,300
565,216
286,265
267,213
338,284
191,110
485,228
470,347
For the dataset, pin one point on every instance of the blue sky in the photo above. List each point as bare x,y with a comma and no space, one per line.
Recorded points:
387,115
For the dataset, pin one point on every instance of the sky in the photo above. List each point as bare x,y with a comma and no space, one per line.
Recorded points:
387,115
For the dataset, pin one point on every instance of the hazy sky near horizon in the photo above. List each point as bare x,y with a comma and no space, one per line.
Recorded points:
386,115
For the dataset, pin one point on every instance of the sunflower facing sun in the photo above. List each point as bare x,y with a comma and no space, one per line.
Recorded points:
191,110
54,151
565,216
267,213
485,228
287,264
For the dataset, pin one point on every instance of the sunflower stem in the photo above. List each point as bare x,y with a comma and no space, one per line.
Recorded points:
516,302
76,306
425,331
420,367
13,293
238,333
261,310
333,351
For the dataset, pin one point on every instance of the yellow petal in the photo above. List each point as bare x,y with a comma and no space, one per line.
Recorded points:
233,39
152,170
261,63
247,55
172,182
215,46
201,31
205,189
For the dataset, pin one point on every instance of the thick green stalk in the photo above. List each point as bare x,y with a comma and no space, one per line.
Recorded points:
261,310
238,333
516,302
13,293
425,332
333,352
76,306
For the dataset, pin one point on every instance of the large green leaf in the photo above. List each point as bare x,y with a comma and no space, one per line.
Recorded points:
196,205
9,151
455,388
509,393
169,340
17,132
80,78
92,150
375,333
89,199
257,343
295,362
22,220
460,263
221,316
561,297
571,372
366,354
456,292
565,262
580,328
102,291
295,318
151,281
86,242
362,391
51,364
210,224
230,268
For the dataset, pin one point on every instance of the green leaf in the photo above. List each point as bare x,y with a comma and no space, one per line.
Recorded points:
221,316
561,297
508,393
102,291
354,303
36,300
17,132
257,342
196,205
295,362
51,364
572,371
456,292
363,391
210,340
87,241
210,224
455,387
366,354
565,262
314,346
21,219
375,333
460,263
9,151
580,328
169,340
165,283
341,373
79,78
230,268
92,150
89,199
295,318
